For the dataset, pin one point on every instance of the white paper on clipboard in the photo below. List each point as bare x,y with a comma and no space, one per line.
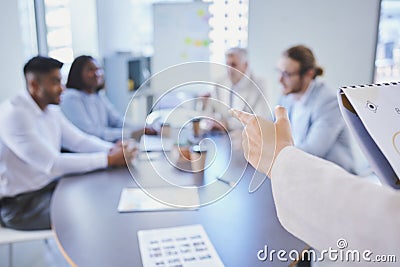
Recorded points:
378,108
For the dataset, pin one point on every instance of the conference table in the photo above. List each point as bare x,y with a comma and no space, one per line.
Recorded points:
91,231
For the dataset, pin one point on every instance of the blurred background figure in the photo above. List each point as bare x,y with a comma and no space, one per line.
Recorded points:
317,124
30,143
239,89
85,104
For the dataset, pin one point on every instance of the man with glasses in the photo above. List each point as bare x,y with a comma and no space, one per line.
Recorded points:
317,124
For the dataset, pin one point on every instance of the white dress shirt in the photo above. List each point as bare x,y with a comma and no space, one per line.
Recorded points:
247,94
30,143
299,108
341,205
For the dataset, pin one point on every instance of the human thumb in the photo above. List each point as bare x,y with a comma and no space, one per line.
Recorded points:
283,129
281,113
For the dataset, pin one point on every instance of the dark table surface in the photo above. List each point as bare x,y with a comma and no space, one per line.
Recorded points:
93,233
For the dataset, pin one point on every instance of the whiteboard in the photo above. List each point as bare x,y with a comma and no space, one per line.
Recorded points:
341,33
181,33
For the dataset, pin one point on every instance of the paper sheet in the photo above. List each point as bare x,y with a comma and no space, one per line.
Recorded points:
135,199
185,246
379,109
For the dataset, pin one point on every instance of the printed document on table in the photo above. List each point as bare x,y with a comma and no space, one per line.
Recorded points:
135,199
378,107
185,246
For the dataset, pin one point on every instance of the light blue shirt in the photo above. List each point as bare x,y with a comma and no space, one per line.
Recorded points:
317,125
92,113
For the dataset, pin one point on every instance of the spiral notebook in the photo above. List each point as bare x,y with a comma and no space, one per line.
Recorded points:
372,113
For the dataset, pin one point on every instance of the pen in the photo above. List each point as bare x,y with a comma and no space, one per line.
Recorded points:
231,184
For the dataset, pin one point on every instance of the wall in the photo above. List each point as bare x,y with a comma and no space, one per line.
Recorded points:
342,34
84,27
115,29
11,50
84,30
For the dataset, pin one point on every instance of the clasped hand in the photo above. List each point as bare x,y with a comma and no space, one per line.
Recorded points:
122,153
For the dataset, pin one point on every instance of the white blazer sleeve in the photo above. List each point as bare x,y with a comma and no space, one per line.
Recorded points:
319,202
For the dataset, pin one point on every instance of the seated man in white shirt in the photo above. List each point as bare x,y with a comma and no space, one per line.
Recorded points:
33,132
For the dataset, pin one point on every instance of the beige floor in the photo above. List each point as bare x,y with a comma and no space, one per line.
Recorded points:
33,254
40,254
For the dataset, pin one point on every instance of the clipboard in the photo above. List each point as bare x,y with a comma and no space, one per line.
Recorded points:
373,152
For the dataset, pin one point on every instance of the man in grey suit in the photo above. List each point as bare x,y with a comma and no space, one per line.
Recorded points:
317,124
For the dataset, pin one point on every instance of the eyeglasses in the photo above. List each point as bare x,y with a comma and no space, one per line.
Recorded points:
286,74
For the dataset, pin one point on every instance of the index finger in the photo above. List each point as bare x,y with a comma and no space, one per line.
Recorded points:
242,116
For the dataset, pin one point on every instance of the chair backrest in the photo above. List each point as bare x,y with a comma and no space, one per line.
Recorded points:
8,236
